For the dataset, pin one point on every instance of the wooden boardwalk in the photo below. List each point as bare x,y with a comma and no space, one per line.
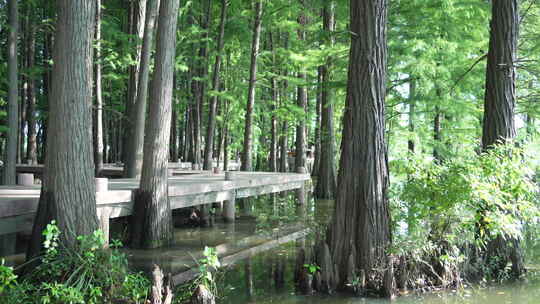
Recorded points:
18,204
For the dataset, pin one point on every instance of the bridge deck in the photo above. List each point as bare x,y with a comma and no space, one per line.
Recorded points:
18,204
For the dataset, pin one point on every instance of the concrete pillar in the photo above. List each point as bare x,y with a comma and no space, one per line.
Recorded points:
25,179
229,207
301,192
102,184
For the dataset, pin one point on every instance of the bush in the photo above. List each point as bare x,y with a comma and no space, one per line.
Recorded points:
84,274
452,209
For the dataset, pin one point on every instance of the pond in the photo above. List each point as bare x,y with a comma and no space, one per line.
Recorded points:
267,276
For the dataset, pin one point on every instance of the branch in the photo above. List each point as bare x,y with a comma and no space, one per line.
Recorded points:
468,71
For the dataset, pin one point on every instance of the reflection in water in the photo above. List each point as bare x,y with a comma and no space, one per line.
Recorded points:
268,277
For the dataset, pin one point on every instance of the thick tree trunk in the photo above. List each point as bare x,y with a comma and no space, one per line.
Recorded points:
31,152
68,192
211,126
134,157
326,183
500,94
248,127
10,159
499,111
98,110
152,211
360,227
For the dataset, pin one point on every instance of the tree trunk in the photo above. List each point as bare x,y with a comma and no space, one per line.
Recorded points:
134,158
136,27
211,126
412,105
98,111
318,109
31,152
174,133
326,183
499,111
301,102
437,134
152,211
10,159
68,191
500,94
248,128
360,226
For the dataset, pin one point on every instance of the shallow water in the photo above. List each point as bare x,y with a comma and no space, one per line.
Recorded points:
267,277
264,272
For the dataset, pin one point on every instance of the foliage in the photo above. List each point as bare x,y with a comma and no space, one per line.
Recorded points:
87,273
444,208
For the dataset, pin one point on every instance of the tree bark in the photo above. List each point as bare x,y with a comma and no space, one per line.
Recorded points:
152,211
248,127
211,126
136,27
10,159
98,111
318,109
174,133
275,99
326,183
500,93
412,106
301,101
360,226
134,158
68,191
31,152
499,111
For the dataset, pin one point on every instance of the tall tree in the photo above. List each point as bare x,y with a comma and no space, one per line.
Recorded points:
137,22
68,191
301,99
211,126
31,152
248,127
10,159
134,158
360,227
326,183
152,211
499,111
98,110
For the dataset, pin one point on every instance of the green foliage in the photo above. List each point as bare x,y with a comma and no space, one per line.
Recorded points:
312,268
208,266
442,209
87,273
7,277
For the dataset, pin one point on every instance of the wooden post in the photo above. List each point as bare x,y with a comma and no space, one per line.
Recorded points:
102,185
104,224
25,179
301,192
229,207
